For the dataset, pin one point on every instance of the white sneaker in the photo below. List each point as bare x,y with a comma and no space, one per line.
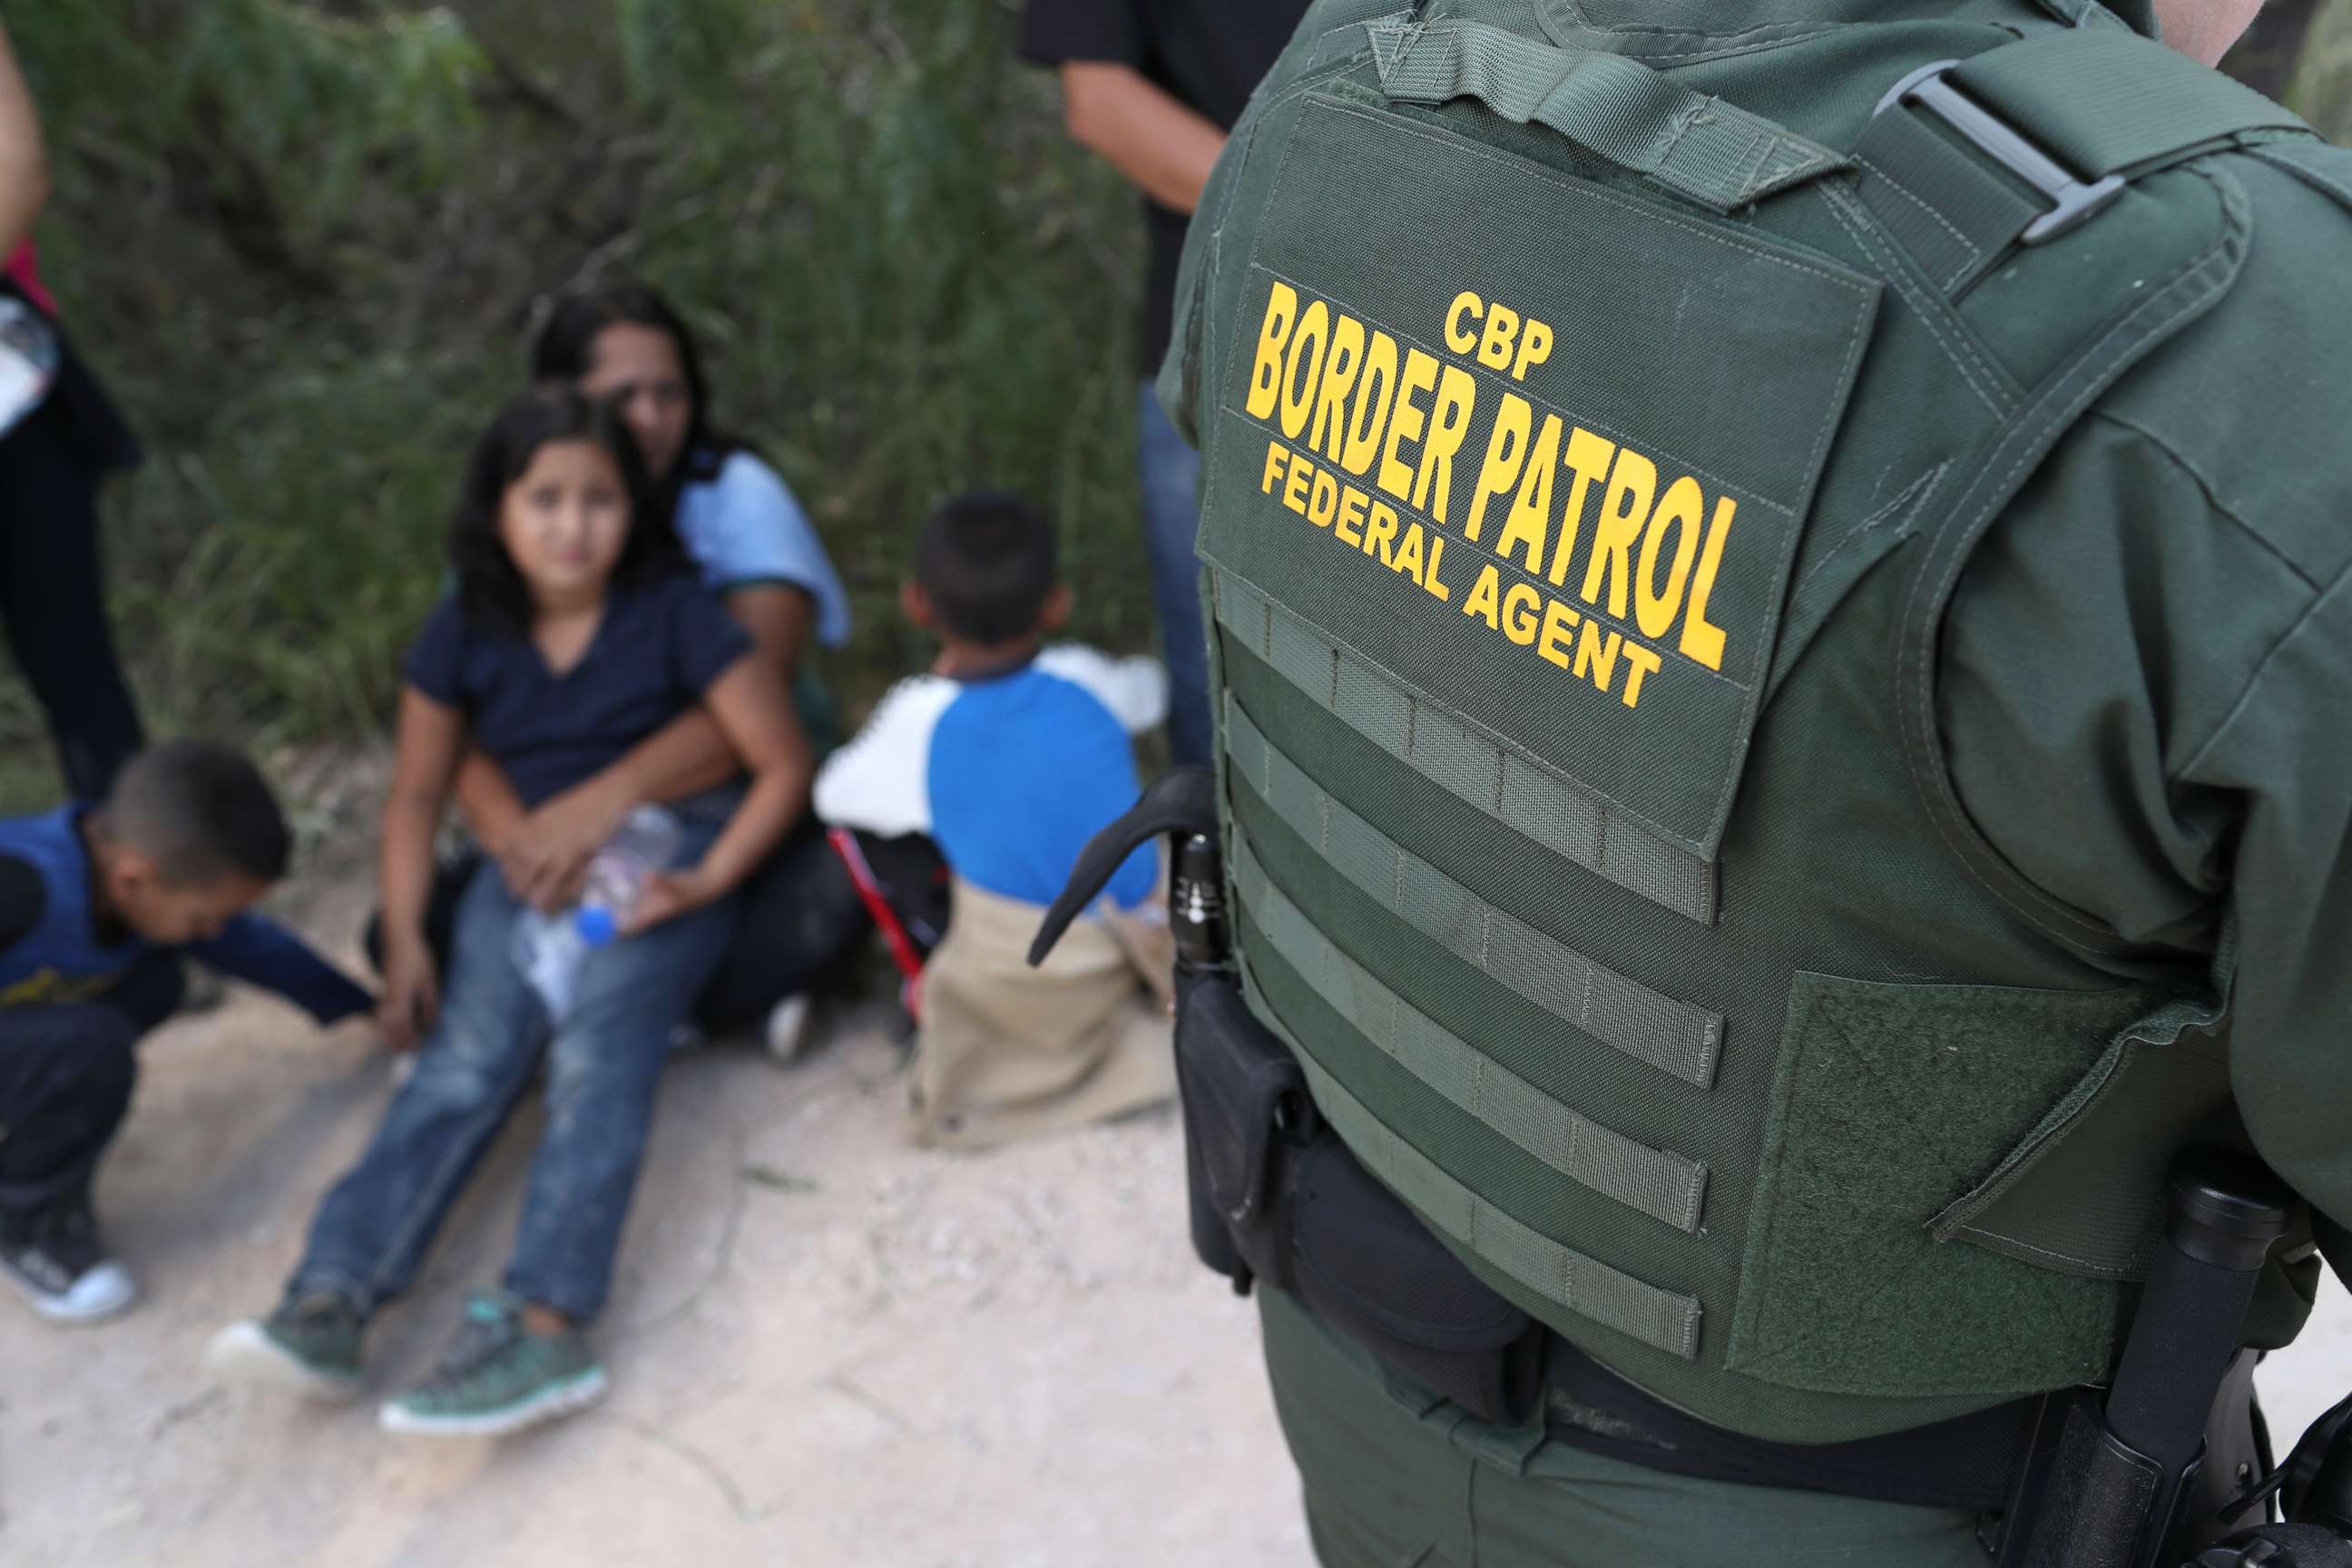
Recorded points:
66,1274
787,1032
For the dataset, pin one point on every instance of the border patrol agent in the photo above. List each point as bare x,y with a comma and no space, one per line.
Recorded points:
1777,576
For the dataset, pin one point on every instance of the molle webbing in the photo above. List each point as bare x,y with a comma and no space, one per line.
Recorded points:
1665,1186
2100,102
1532,800
1698,147
1663,1320
1673,1037
2105,101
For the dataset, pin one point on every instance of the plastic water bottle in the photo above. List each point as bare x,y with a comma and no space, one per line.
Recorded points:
549,950
28,360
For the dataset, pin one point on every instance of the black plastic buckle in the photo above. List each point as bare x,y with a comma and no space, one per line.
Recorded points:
2072,203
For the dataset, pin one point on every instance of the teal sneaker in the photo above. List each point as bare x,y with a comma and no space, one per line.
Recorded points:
310,1345
498,1378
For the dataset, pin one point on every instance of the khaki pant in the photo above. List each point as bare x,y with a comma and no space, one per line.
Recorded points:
1008,1052
1394,1478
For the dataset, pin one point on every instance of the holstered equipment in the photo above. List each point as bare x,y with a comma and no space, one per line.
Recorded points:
2117,1484
1274,1195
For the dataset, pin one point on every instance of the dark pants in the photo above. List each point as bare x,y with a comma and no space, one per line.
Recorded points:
52,602
66,1076
801,922
801,919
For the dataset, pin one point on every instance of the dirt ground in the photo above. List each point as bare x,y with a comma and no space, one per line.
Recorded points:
825,1347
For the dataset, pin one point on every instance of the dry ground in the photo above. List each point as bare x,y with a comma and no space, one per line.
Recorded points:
825,1348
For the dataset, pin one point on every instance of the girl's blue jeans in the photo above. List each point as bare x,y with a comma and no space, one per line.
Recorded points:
603,1066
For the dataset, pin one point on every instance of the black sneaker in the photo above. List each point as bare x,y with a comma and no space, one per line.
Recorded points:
59,1265
310,1345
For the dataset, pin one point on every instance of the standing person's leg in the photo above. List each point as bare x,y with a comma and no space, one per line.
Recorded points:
375,1227
1171,517
801,918
521,1356
66,1076
53,600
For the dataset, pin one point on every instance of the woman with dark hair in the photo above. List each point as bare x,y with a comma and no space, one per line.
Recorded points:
754,547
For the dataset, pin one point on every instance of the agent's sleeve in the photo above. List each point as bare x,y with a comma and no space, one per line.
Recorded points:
2145,706
266,953
2285,754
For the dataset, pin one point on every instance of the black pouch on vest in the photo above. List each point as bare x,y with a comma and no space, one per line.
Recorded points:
1365,1265
1276,1195
1246,1107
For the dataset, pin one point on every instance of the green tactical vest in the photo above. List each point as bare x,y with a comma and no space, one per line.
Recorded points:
1588,463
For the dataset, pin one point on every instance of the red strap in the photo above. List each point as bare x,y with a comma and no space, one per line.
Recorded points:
885,919
28,278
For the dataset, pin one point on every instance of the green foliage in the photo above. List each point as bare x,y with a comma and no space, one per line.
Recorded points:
682,50
305,245
2322,90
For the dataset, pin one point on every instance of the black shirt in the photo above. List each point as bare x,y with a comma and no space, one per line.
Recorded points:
1207,54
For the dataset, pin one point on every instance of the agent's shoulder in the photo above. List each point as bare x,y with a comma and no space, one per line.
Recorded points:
2251,397
2299,193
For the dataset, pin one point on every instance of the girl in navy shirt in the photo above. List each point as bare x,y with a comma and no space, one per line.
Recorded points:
574,634
754,547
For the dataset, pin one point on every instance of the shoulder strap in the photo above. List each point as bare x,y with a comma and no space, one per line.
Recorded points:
2107,101
1963,159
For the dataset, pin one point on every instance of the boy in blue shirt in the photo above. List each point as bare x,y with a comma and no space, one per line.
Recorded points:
97,904
1010,755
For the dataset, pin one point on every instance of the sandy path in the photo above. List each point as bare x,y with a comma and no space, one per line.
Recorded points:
825,1348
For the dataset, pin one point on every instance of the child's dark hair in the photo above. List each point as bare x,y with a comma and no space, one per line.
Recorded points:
202,813
565,349
489,589
988,563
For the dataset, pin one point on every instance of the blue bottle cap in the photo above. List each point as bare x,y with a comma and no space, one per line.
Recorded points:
596,925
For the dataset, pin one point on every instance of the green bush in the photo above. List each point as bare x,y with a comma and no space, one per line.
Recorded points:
2322,89
305,243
